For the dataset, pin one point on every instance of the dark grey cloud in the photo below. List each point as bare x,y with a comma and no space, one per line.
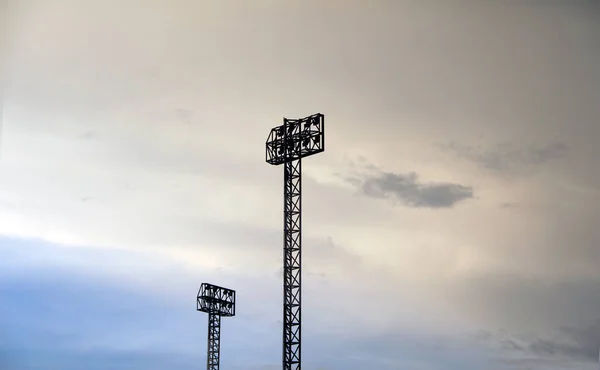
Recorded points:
507,157
568,348
578,343
407,189
546,322
586,340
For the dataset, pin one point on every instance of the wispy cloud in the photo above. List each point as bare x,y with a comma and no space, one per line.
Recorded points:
577,343
507,157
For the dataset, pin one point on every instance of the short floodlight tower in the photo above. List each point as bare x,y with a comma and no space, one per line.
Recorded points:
288,144
217,302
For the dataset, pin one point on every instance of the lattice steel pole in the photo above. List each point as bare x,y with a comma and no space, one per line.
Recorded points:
292,253
288,144
214,341
217,302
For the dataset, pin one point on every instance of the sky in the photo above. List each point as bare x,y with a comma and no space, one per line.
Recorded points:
451,222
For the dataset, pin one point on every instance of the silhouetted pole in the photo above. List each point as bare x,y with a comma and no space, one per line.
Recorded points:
217,302
288,144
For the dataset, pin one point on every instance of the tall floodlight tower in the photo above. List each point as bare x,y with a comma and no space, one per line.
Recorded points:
217,302
288,144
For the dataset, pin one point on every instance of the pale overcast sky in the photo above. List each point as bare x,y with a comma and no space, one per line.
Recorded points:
451,224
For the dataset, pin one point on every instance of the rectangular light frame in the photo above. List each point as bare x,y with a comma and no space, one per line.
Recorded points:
295,139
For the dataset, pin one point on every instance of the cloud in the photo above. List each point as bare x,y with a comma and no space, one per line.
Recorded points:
122,309
507,157
534,323
577,343
572,348
68,306
409,190
176,156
